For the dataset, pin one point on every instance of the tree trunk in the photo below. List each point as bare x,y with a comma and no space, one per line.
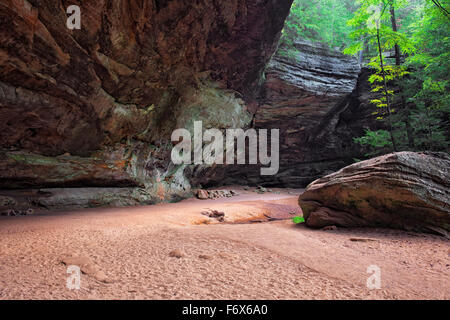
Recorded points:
332,25
362,51
409,131
383,72
394,28
430,131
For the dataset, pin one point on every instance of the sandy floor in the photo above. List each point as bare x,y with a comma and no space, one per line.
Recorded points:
129,254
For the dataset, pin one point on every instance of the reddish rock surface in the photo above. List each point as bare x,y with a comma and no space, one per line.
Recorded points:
118,87
320,101
74,91
404,190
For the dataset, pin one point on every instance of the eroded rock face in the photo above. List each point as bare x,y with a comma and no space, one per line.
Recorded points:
130,67
314,70
403,190
320,101
305,99
108,96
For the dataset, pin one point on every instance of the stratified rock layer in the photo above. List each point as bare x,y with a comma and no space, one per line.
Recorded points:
403,190
319,99
306,98
131,67
96,107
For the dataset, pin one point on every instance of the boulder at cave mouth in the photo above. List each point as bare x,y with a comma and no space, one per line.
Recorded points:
404,190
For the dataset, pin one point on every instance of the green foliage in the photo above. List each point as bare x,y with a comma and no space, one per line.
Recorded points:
371,16
374,141
318,20
413,98
298,220
411,87
427,89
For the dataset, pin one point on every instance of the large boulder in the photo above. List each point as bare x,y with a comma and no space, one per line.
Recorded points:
404,190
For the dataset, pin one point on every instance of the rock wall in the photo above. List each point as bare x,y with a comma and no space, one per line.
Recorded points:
95,107
320,100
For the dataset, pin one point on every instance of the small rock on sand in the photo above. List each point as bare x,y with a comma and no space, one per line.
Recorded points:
215,194
260,189
7,201
202,194
215,214
177,253
16,212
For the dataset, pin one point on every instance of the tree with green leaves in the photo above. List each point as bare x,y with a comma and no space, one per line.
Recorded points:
427,88
413,102
318,20
406,44
374,25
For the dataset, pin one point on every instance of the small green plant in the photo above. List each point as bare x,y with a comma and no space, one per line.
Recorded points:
298,220
374,141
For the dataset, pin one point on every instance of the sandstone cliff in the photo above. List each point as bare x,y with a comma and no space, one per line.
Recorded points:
95,107
320,100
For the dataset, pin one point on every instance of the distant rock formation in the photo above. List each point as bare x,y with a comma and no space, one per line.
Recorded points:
320,101
404,190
